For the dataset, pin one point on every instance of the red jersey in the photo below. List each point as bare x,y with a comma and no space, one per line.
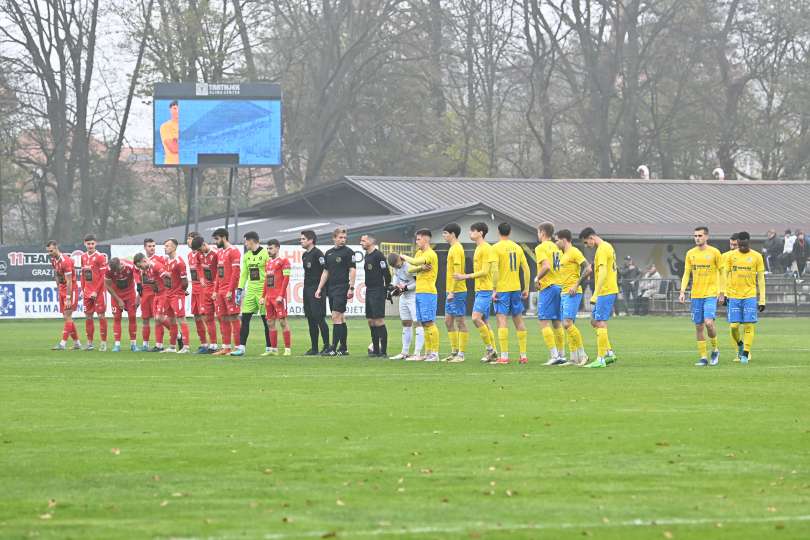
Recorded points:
63,267
207,267
194,272
276,277
147,279
151,276
123,281
228,269
173,276
93,269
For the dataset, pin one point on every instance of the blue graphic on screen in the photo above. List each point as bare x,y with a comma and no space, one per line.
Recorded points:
185,128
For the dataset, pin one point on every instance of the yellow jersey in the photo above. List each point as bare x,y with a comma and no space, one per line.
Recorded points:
455,265
745,271
426,279
169,130
548,251
511,259
704,265
726,289
483,257
604,263
570,265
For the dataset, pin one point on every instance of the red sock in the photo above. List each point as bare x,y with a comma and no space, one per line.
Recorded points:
200,324
102,327
65,331
225,330
89,327
287,338
146,331
236,328
159,333
211,324
184,331
274,338
117,328
73,333
172,334
133,326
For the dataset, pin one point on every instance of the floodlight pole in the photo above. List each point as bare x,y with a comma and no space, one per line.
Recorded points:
197,190
228,198
233,177
191,205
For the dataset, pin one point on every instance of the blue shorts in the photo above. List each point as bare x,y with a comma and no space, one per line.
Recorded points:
603,308
426,307
569,306
703,308
509,303
548,303
742,310
456,307
483,303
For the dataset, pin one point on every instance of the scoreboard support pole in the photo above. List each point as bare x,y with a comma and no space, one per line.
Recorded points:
193,202
233,178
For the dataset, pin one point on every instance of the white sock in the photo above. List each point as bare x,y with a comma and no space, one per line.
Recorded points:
505,355
133,342
407,334
62,342
78,342
420,340
240,347
212,346
553,352
117,343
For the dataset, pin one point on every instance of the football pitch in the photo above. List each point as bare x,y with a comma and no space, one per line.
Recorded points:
138,445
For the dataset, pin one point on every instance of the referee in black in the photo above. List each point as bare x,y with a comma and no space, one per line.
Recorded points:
338,280
314,308
378,278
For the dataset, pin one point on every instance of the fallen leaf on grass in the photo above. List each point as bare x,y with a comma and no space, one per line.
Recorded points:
330,534
667,534
164,503
526,435
116,451
771,509
662,443
156,478
509,493
268,471
287,519
401,490
426,471
340,503
45,516
52,503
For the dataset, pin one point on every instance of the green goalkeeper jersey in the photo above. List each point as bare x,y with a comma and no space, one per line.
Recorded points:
251,279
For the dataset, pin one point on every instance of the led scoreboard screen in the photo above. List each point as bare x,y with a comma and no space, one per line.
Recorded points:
217,125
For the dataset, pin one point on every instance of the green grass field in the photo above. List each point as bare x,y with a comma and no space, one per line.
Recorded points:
97,445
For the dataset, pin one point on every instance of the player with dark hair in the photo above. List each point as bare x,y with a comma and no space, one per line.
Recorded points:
170,134
227,281
745,276
196,292
378,279
509,295
94,266
605,290
147,292
205,258
251,285
455,305
277,273
736,337
151,269
338,278
119,280
425,264
65,275
548,257
574,270
485,269
314,263
173,308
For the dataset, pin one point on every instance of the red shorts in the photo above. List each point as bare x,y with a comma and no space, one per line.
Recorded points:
207,305
173,306
226,307
64,304
275,310
129,306
196,300
97,304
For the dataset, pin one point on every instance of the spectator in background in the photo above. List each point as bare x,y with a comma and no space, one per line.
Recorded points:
629,275
800,253
676,265
649,284
786,258
772,250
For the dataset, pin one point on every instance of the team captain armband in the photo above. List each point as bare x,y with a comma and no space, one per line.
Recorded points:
286,272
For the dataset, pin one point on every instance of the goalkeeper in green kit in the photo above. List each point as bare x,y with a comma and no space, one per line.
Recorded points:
251,287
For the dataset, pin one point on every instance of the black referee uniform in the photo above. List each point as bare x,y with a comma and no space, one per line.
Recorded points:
378,278
339,260
315,308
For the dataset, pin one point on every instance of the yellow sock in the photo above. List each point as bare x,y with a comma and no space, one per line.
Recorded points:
713,341
735,333
602,342
559,340
453,335
572,338
578,335
702,349
503,339
748,336
484,331
548,338
491,336
523,338
463,338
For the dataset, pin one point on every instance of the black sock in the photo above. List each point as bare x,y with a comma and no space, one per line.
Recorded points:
244,331
324,332
375,340
313,333
382,333
266,331
335,336
344,334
